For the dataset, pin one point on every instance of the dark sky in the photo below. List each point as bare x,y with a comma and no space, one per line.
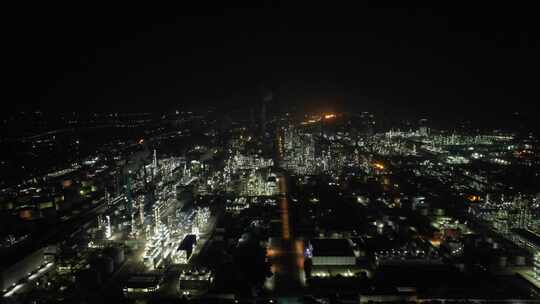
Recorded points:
453,59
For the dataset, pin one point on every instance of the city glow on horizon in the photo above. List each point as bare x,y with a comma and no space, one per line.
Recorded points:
329,116
379,166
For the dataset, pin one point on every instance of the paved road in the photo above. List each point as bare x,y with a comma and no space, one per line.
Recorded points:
285,253
26,286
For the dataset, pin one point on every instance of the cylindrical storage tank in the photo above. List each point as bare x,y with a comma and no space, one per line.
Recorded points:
116,254
104,265
88,279
519,260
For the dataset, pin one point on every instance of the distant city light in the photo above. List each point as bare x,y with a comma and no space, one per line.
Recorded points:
379,166
329,116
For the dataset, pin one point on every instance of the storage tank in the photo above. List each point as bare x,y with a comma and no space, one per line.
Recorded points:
88,279
104,265
116,254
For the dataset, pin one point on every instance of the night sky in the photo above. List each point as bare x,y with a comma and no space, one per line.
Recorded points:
448,61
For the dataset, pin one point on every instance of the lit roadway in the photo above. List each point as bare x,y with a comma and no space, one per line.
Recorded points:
25,286
285,253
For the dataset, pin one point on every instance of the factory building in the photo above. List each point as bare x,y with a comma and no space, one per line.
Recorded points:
194,281
140,285
332,252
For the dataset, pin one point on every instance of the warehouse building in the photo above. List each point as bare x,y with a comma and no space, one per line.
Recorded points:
332,252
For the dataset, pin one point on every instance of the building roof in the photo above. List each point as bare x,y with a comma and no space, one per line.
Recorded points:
331,247
142,281
188,242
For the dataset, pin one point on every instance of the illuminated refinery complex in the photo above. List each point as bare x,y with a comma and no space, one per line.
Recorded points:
311,207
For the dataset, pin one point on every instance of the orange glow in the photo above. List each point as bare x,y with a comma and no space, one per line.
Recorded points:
435,242
26,214
67,183
329,116
378,166
284,206
272,252
300,262
473,198
299,247
286,233
141,141
311,121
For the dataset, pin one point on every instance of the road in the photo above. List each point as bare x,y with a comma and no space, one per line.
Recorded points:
25,286
286,253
